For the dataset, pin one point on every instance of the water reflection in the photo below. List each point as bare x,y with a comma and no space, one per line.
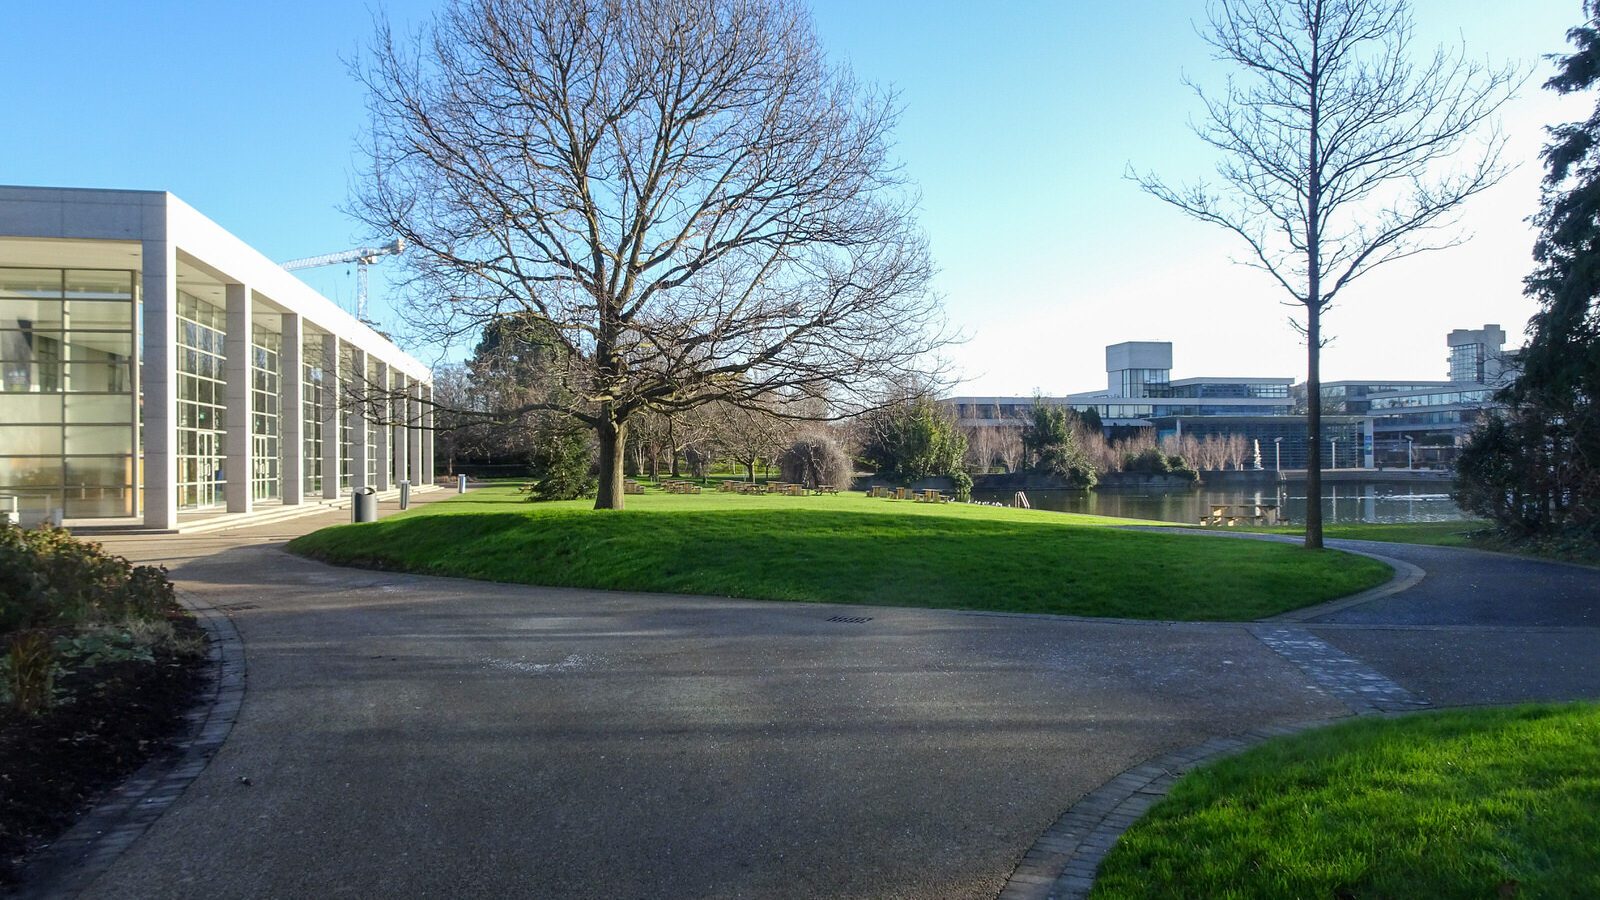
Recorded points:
1372,501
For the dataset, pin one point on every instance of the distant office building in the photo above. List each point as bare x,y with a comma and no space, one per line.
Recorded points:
1364,423
1139,388
153,366
1430,419
1477,355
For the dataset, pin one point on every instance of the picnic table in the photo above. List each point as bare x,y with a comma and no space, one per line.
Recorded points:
1230,514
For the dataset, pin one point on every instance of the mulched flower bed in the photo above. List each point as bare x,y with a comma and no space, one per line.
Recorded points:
112,719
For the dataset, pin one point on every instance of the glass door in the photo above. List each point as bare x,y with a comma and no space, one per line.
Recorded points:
209,486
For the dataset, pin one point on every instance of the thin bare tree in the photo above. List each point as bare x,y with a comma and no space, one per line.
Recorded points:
1340,151
752,433
699,204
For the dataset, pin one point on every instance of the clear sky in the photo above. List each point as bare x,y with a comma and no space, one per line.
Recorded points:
1020,119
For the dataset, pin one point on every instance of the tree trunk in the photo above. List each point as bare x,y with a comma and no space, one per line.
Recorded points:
672,445
1313,423
1314,307
613,443
750,469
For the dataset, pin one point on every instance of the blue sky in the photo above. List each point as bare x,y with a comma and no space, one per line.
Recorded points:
1020,119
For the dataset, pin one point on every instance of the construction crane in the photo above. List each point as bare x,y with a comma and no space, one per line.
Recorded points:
361,256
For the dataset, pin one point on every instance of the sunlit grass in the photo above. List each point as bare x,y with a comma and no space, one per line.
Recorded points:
1467,803
850,549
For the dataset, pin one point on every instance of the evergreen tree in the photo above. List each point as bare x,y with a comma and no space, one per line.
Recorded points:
1052,447
562,460
913,439
1537,470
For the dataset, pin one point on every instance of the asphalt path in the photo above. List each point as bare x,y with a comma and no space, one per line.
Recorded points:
417,736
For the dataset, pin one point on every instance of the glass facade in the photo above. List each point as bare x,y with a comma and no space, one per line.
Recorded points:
1438,398
346,378
1141,382
265,386
202,400
1223,390
312,465
371,427
66,391
1467,363
396,406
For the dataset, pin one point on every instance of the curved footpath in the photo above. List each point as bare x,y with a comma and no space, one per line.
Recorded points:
437,737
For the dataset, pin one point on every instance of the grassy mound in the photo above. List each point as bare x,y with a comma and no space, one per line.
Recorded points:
1467,803
850,549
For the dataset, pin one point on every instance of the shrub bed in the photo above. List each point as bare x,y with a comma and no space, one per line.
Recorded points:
98,665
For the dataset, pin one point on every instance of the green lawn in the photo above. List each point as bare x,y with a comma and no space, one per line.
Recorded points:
850,549
1467,803
1438,534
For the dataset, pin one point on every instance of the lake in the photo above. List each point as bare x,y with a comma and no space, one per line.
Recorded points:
1366,501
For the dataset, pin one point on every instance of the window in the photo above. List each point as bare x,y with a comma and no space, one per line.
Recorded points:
1467,363
202,399
265,386
66,391
312,387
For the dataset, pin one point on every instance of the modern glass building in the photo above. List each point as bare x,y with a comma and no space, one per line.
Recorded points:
1139,389
156,370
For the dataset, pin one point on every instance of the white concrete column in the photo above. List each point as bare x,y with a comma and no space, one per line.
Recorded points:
414,433
402,414
384,424
159,362
332,417
427,434
292,411
237,441
358,419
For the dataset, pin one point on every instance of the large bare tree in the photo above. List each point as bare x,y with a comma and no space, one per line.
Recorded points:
1340,150
698,202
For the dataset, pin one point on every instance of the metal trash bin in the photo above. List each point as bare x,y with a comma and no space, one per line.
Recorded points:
405,495
461,484
365,505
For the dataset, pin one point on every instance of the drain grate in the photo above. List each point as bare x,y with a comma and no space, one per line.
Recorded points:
238,607
853,620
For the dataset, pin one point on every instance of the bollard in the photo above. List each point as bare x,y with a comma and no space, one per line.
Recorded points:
364,505
461,484
405,495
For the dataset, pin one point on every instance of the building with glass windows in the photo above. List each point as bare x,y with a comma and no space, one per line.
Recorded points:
158,371
1140,388
1386,422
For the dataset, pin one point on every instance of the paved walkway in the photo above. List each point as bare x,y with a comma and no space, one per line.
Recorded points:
438,737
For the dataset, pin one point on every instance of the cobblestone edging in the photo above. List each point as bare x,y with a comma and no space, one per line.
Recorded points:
1354,683
1062,863
87,849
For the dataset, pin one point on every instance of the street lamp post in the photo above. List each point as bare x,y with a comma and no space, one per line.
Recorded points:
1333,454
1409,442
1277,453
